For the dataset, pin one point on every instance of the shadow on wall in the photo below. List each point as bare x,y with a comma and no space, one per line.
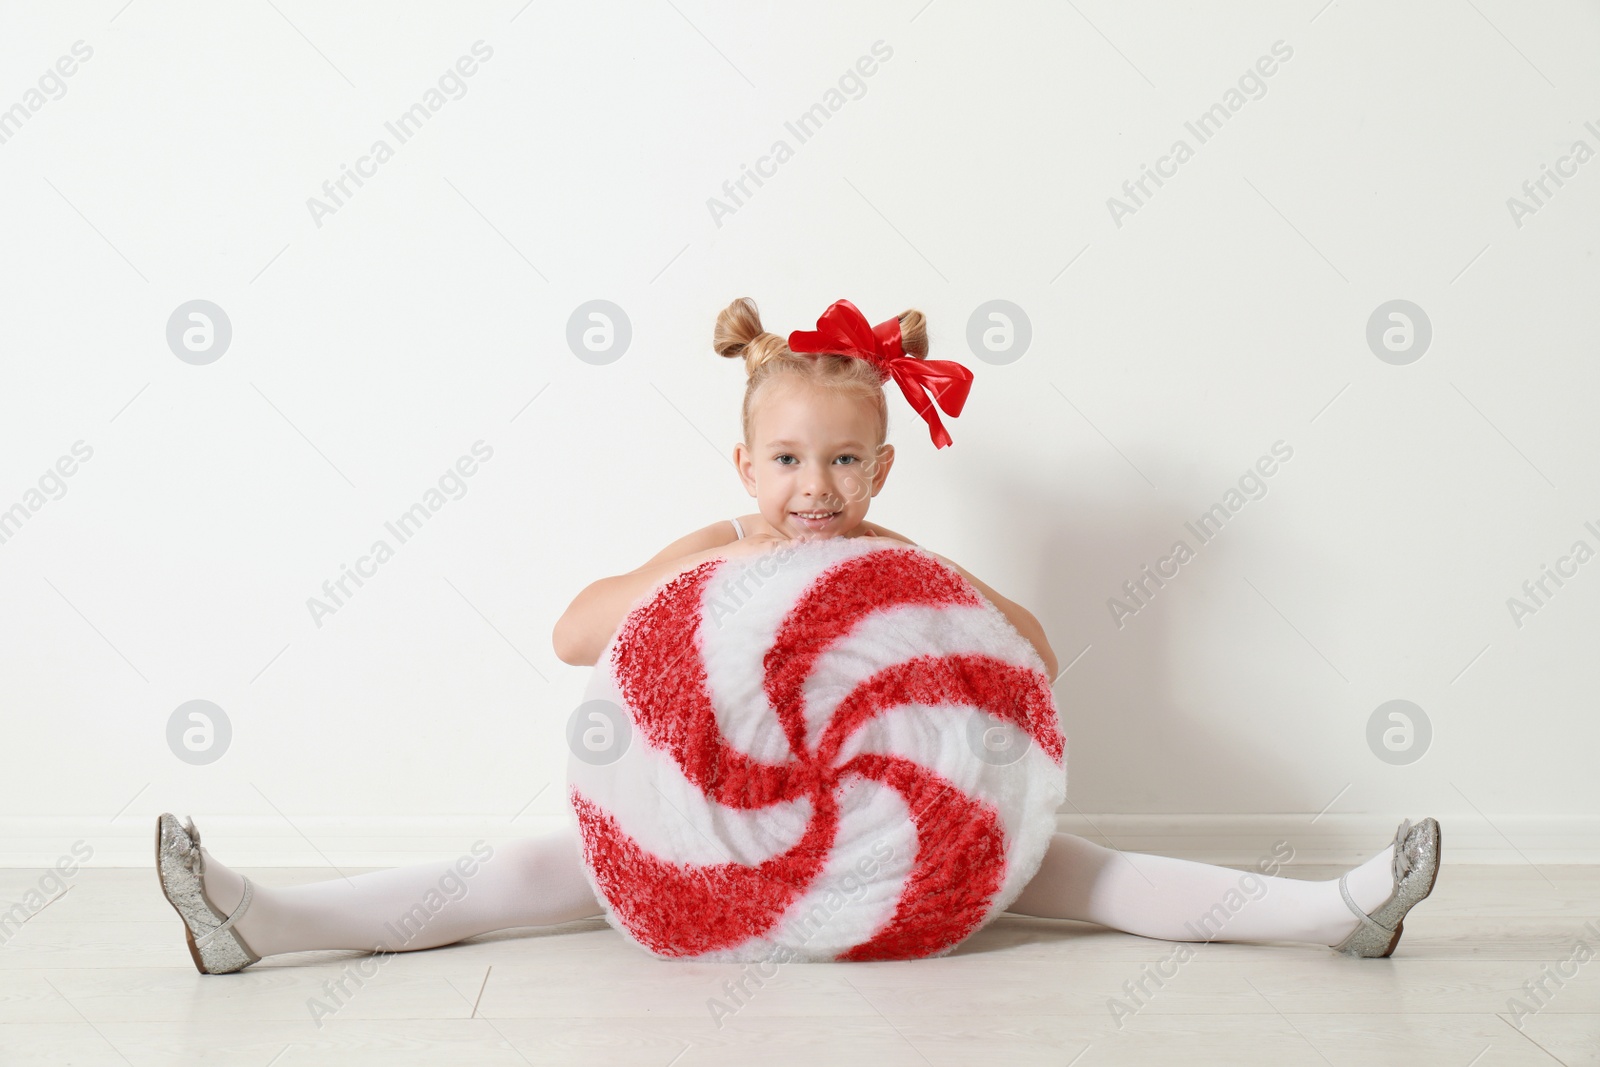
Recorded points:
1134,740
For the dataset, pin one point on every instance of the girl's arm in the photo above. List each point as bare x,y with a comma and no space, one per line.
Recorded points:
594,614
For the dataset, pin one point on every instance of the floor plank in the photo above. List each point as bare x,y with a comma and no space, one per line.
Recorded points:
101,975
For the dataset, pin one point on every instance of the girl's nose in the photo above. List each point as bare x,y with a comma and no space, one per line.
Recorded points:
819,487
821,495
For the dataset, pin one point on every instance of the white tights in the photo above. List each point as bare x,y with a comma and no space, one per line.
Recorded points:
538,881
1181,900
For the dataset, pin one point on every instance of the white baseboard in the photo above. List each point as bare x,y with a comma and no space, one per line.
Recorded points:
1341,839
369,841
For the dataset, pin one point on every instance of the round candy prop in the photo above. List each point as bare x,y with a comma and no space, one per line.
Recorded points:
835,750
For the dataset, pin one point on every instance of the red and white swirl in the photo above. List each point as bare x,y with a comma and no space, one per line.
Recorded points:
801,772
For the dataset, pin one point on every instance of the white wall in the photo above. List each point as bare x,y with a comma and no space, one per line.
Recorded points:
373,346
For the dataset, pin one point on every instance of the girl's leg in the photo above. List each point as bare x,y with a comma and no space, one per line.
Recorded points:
1181,900
534,881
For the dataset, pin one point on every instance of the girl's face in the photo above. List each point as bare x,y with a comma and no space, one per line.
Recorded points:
812,453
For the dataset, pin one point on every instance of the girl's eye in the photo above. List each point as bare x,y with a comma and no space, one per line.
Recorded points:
850,457
781,459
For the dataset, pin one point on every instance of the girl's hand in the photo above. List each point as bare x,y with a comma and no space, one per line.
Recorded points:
883,542
743,548
757,544
752,545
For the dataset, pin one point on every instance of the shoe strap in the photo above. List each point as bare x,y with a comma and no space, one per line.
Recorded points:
238,913
1366,919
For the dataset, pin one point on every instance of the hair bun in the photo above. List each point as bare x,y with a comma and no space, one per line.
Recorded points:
739,334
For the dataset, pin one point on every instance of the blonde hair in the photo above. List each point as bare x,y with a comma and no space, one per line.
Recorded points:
768,361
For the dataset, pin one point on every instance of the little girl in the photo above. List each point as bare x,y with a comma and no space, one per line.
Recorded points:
815,421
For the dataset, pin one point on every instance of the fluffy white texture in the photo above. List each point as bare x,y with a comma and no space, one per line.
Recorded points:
741,610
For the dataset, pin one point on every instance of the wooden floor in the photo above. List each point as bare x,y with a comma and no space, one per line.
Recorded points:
101,976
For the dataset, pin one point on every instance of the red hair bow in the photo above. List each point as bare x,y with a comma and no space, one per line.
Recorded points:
843,330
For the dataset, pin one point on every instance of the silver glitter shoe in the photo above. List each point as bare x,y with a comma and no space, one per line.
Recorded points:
1416,868
214,944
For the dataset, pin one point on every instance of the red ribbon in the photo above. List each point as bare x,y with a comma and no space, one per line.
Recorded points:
843,330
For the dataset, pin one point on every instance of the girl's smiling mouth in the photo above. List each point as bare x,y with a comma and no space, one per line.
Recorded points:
820,521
